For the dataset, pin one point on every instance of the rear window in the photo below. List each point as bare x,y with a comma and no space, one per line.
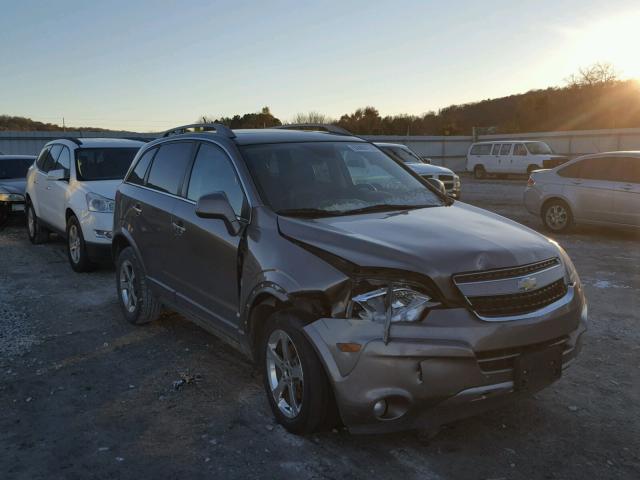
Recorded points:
482,149
14,167
168,167
103,163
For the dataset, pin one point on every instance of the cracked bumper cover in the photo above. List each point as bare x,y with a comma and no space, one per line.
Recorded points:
449,366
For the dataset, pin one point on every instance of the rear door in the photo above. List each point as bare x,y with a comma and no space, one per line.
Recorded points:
520,159
493,160
35,177
626,195
205,253
43,187
152,207
589,189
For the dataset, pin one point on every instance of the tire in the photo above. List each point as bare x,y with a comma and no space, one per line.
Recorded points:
531,168
141,307
76,247
479,172
557,216
313,407
37,233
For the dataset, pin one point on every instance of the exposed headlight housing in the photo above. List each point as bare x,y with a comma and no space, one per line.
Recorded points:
98,203
11,197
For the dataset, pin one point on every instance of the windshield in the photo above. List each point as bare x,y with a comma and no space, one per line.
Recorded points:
14,167
333,178
103,163
538,148
402,154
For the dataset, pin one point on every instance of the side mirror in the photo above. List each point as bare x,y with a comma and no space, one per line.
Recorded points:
438,185
54,175
216,205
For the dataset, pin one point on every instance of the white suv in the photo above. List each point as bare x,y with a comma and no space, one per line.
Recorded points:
70,191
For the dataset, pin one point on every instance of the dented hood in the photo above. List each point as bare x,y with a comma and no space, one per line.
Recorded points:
436,242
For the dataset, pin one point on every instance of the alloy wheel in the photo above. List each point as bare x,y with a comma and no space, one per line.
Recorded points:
557,217
127,286
284,373
31,222
74,244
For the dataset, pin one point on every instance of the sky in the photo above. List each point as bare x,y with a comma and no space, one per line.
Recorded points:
150,65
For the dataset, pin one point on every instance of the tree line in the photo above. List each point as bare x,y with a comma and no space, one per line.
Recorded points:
593,98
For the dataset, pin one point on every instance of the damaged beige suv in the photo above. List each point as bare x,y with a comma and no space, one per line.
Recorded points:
367,296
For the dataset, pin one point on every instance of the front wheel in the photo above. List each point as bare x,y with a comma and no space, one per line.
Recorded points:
479,172
76,247
37,233
296,384
556,216
137,302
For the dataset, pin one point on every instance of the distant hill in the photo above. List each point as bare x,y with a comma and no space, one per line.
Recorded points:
26,124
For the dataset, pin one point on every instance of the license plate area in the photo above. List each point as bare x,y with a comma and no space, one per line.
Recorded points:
17,207
534,370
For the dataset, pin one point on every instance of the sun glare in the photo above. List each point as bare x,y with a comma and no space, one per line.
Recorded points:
615,40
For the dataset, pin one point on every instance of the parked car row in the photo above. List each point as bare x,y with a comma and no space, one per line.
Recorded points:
13,170
366,295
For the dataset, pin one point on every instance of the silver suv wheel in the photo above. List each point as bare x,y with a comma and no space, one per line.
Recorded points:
74,244
127,286
284,372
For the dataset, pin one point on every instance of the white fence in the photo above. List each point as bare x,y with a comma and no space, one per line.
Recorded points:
448,151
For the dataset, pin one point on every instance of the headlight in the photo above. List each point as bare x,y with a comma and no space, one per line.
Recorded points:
401,304
98,203
11,197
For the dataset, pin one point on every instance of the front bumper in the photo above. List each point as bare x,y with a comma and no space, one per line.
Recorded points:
451,365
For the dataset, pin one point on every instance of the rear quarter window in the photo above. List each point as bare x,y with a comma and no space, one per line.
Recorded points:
139,172
169,166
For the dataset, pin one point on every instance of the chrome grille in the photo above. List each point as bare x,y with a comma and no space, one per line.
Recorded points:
510,292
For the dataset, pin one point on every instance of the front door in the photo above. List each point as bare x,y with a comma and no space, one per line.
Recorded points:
57,191
206,270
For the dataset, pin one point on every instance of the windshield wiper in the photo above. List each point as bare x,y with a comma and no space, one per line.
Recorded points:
383,207
307,212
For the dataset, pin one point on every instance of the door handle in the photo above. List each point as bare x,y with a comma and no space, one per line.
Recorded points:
178,229
627,187
136,208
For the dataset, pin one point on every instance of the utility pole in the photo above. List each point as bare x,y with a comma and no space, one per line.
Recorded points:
64,129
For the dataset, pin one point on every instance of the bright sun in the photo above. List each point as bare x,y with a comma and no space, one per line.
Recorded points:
615,40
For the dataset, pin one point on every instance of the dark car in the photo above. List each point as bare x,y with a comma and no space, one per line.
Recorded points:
13,172
365,295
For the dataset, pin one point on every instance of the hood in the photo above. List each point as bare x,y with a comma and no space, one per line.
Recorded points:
13,185
106,188
437,242
427,169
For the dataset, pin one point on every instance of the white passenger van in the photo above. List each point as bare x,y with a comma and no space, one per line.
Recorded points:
503,157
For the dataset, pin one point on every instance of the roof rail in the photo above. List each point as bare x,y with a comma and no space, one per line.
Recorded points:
75,140
217,127
317,127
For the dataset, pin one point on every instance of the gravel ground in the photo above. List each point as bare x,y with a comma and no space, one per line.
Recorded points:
83,394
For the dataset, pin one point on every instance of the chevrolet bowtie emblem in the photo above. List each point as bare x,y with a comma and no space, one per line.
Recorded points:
527,284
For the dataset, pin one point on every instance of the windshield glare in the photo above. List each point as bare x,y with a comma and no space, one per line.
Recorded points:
538,148
103,163
14,167
333,178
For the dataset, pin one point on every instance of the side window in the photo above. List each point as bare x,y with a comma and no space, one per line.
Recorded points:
572,170
140,170
42,157
213,172
519,149
625,169
496,149
168,167
64,161
52,157
506,148
598,168
484,149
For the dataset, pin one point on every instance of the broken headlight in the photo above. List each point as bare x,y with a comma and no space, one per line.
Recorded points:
390,304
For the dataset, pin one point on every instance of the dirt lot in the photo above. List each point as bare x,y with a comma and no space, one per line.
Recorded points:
83,394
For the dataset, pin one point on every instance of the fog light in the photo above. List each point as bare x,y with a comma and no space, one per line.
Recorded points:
103,234
380,408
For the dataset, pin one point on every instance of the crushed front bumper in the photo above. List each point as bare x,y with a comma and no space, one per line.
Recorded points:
451,365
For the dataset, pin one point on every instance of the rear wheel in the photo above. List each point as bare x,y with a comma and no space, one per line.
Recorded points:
479,172
76,247
137,302
296,384
556,215
37,233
